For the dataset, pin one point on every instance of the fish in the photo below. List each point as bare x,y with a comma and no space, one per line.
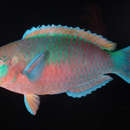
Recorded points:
56,59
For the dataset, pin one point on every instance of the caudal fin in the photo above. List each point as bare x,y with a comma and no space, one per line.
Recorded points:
121,60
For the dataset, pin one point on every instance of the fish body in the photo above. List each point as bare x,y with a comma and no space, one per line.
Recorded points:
60,59
63,70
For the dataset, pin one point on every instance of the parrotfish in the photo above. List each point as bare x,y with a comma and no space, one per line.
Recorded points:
59,59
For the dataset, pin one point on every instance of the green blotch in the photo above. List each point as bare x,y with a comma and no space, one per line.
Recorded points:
60,46
3,70
37,36
58,50
4,58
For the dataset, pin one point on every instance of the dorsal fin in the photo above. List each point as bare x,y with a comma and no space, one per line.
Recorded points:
53,30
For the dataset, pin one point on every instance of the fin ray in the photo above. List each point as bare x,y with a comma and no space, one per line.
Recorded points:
121,60
32,103
88,88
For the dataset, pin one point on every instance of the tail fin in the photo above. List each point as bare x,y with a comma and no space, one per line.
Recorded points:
121,60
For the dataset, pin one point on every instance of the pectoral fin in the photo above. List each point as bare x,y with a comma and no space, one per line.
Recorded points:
35,68
32,103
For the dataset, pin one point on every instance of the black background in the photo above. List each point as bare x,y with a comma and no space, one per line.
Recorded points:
106,108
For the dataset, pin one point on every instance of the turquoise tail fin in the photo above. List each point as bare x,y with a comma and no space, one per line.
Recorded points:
121,60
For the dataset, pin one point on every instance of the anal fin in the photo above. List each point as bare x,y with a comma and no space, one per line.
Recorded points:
88,87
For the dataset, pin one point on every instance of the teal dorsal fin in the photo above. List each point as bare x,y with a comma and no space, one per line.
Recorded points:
59,30
43,29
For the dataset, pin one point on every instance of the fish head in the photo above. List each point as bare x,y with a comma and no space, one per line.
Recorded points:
10,68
